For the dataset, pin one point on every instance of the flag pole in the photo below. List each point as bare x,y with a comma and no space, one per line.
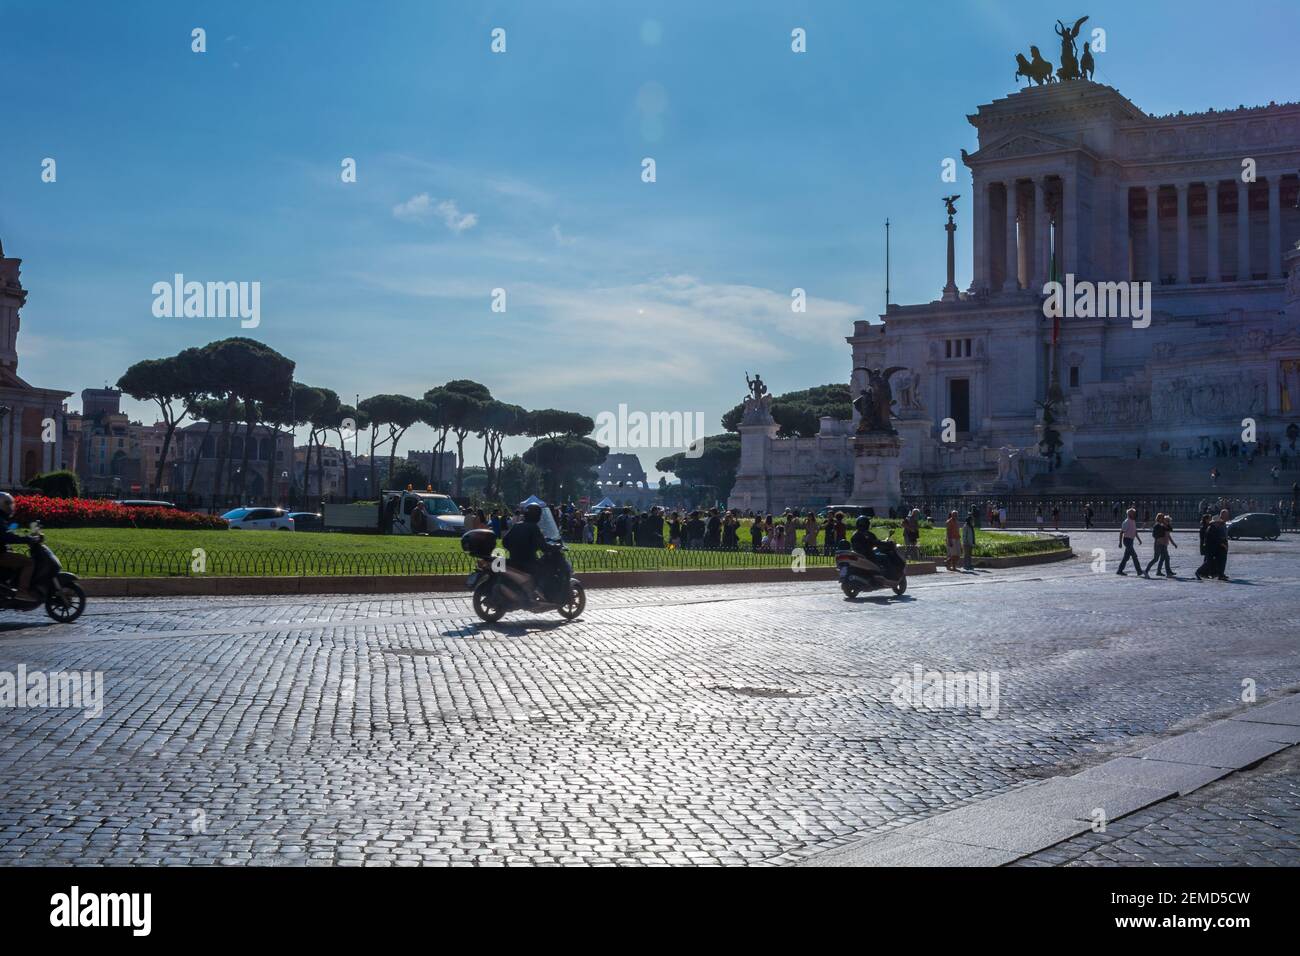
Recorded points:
886,266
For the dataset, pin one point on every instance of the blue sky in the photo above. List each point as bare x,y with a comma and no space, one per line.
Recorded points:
522,171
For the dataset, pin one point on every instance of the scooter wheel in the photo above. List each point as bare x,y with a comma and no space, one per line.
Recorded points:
849,590
66,603
483,605
576,603
901,587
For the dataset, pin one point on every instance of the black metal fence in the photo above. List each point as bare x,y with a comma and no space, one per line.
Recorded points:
153,562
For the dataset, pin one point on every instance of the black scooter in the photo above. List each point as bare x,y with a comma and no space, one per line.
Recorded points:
884,569
498,588
57,590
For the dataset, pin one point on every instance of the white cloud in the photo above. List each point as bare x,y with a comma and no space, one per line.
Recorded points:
560,237
673,329
422,208
454,219
416,209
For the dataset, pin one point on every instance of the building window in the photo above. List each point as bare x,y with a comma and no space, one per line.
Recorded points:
967,344
1074,376
959,403
947,348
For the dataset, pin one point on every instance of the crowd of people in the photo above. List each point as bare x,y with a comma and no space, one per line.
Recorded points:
1249,452
705,528
1213,546
734,530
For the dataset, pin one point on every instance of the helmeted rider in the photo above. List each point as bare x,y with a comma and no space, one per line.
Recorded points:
525,542
10,560
864,540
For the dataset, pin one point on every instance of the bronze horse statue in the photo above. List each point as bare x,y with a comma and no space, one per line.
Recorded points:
1037,71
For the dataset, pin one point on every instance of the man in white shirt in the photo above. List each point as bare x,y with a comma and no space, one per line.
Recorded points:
1128,534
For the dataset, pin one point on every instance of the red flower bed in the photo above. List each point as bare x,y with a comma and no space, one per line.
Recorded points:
95,513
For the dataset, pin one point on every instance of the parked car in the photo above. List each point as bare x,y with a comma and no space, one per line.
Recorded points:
259,519
141,503
306,521
1256,525
850,511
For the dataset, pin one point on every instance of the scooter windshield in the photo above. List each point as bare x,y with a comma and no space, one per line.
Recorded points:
549,529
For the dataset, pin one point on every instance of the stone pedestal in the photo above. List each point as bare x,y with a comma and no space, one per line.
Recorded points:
877,472
752,491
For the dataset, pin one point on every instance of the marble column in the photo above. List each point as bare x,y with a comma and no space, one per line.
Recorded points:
1213,272
1010,281
1153,234
994,215
1067,226
980,279
1275,226
1243,231
1184,264
1042,235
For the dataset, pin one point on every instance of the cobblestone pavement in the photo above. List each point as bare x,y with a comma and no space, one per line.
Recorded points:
733,724
1251,818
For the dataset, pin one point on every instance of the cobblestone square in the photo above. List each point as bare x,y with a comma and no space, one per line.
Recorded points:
739,724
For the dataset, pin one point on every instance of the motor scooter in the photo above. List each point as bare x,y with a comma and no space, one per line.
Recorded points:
499,588
859,574
63,598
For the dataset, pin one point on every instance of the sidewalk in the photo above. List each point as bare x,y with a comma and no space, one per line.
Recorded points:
1142,807
1251,818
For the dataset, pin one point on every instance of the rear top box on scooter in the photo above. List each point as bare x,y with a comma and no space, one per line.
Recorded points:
478,543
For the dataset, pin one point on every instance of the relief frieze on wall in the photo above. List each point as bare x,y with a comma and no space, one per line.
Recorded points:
1210,398
1117,408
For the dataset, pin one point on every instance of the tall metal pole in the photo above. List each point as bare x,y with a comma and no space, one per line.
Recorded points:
886,266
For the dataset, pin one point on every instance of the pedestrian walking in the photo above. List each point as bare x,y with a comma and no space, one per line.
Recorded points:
1161,538
1206,570
1128,534
1056,517
912,528
1087,517
953,541
968,541
1217,542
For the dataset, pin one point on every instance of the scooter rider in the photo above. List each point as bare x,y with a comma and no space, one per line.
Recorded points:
11,560
525,541
865,542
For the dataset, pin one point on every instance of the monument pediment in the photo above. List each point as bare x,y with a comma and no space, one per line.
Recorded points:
1021,143
1286,345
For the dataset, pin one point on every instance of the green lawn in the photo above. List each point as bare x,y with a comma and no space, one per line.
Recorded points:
118,552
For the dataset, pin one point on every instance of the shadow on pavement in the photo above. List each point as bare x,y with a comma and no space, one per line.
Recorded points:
8,626
506,628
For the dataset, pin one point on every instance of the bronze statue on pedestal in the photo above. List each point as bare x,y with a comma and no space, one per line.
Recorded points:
875,402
